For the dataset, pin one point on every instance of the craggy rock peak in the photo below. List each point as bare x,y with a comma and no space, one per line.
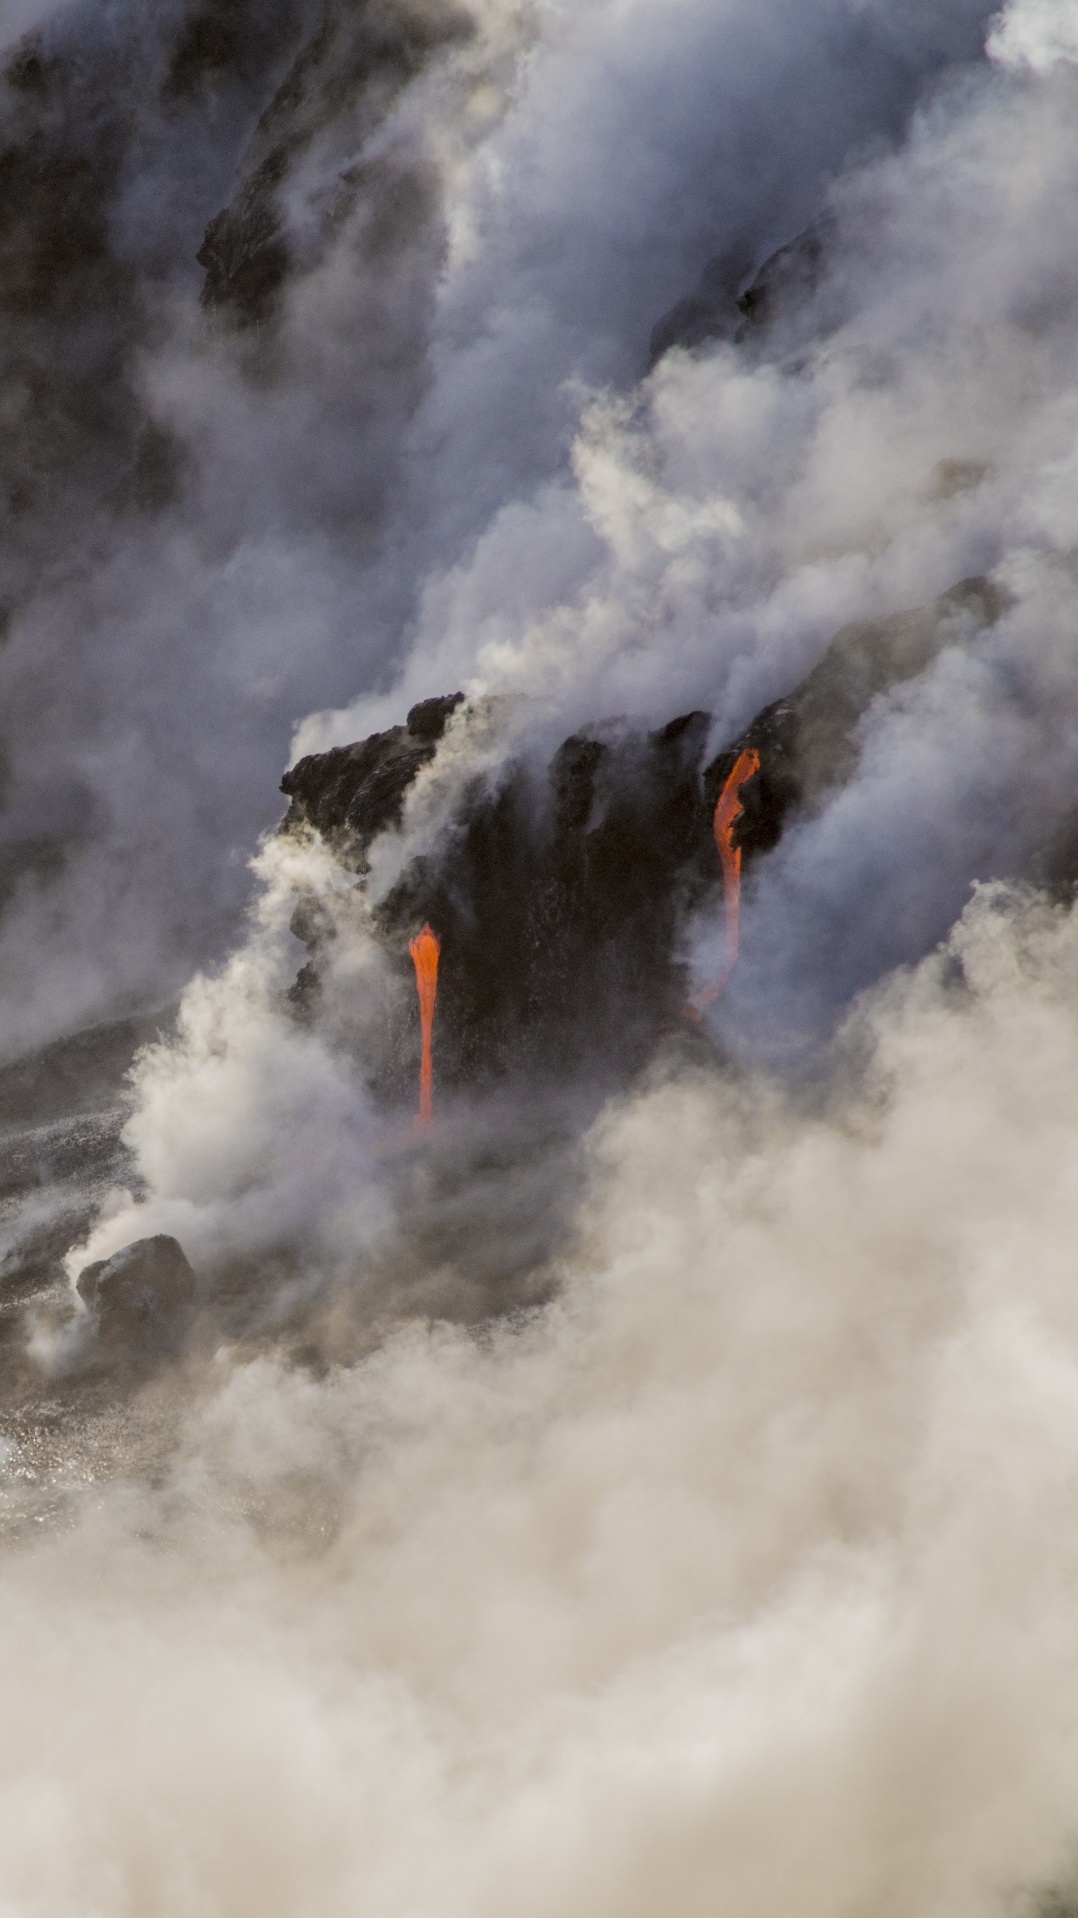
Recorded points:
561,893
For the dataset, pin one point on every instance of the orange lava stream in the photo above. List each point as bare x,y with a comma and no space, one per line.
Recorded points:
424,949
727,813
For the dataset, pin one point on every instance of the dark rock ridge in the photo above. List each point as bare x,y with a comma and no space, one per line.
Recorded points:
62,1113
808,742
730,302
83,1074
561,893
357,61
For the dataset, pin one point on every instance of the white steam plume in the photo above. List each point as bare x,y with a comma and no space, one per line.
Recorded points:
529,204
748,1565
1035,34
723,522
720,526
741,1572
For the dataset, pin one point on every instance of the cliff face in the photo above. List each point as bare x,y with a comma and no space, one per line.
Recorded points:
562,894
558,893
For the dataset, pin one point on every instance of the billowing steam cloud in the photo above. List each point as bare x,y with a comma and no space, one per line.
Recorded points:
550,1515
1036,34
413,228
748,1564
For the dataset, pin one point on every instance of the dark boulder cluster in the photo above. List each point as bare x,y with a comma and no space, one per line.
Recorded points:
561,893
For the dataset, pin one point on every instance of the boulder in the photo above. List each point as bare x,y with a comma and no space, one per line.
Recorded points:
143,1298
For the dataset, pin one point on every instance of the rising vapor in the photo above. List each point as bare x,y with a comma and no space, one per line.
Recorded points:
621,461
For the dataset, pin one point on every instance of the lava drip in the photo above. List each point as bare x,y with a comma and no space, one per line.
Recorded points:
425,948
728,811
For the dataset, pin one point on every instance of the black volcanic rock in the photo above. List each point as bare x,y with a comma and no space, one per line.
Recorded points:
561,894
360,57
244,252
352,793
143,1298
709,312
559,898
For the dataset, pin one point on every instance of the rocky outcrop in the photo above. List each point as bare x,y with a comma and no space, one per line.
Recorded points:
352,793
808,742
561,894
559,897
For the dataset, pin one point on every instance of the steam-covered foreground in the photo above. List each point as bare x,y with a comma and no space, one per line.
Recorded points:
649,1487
748,1563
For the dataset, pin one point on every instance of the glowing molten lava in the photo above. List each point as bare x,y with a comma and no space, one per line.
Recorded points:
727,813
424,949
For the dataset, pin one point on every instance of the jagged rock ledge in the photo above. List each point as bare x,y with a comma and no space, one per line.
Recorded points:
561,894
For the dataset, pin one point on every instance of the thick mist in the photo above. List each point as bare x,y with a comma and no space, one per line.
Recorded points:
748,1562
602,1503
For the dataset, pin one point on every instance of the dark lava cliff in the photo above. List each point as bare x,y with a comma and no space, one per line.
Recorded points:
562,893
